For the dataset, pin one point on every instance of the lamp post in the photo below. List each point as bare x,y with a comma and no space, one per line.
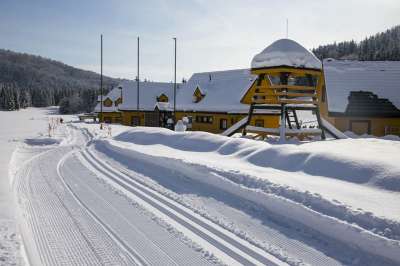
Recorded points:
174,79
101,81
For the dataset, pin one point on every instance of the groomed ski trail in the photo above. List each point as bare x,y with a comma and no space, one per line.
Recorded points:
222,243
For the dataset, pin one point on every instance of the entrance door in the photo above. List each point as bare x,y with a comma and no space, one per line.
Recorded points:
360,127
135,121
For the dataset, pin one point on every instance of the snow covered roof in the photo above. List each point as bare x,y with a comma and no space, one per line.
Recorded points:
379,77
223,91
148,93
113,95
286,52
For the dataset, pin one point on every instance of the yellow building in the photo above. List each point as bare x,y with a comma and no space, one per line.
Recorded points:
211,101
152,107
109,112
362,96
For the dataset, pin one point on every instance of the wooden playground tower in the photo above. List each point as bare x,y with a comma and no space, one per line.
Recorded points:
285,90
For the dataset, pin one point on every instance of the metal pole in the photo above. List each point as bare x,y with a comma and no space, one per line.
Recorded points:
175,83
287,28
137,96
101,81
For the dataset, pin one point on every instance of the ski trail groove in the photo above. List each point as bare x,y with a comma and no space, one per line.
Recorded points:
135,256
219,238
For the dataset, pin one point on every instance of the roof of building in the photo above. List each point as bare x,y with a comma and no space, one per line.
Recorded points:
286,52
113,95
222,91
381,78
148,93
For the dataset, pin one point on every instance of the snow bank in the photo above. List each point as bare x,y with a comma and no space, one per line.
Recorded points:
362,161
354,229
286,52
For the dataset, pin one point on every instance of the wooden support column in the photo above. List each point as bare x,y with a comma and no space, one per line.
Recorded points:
323,137
282,130
251,110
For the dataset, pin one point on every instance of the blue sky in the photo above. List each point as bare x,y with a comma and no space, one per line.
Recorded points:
212,34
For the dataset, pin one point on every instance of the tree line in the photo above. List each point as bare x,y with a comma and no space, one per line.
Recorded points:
28,80
379,47
13,97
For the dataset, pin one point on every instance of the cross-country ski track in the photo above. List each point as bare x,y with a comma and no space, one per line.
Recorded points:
79,207
75,219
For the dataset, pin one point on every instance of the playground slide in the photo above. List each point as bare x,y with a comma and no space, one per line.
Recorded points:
333,130
240,124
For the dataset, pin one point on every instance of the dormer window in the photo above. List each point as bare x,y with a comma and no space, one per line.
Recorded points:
162,98
107,102
118,101
198,95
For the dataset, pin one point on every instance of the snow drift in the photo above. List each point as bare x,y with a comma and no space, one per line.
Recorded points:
365,161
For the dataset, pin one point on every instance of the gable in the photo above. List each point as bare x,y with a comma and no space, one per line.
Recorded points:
248,96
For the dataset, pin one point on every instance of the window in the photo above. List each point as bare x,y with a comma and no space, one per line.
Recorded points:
204,119
259,123
223,123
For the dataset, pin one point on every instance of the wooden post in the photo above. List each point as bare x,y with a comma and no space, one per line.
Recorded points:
323,137
244,132
282,130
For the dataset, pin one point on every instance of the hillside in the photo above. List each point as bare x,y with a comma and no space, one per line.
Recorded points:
29,80
32,71
381,46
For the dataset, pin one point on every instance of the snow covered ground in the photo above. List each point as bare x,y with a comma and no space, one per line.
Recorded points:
153,196
16,126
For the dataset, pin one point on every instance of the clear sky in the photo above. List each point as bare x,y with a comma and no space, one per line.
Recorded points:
212,34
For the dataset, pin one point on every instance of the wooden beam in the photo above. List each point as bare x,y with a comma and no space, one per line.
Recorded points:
294,101
297,71
289,94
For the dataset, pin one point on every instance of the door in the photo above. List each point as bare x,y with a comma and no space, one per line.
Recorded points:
135,121
360,127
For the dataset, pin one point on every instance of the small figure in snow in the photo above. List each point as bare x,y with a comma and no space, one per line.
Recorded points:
50,128
109,131
180,127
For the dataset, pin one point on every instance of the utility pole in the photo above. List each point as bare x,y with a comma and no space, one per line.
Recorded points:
137,81
101,81
287,28
175,82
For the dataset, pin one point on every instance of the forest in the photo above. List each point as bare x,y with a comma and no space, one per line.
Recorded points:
29,80
384,46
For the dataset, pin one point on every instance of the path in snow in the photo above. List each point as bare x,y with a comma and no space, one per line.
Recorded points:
72,215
